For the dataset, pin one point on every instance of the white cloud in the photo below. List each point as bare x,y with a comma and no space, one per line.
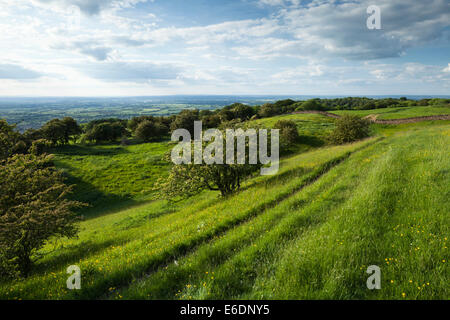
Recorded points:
447,69
339,28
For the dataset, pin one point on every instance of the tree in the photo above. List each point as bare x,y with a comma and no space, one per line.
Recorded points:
266,110
61,131
135,121
10,140
211,121
106,132
33,208
150,130
349,128
72,129
186,180
54,131
312,104
288,133
39,147
185,120
242,111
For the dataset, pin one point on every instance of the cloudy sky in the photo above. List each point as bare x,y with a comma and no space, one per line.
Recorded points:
158,47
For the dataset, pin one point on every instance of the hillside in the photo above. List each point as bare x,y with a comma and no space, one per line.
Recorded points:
307,233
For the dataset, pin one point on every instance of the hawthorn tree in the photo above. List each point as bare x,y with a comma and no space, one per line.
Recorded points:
33,208
186,180
349,128
10,140
150,130
288,133
185,120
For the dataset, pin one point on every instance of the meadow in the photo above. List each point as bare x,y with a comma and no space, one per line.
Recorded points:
309,232
112,176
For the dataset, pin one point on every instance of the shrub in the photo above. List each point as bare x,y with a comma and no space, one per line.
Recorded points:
349,128
288,133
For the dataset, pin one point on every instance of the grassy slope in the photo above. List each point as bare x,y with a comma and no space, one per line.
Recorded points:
281,242
112,177
399,113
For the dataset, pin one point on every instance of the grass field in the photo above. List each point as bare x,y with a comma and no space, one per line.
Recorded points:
111,177
307,233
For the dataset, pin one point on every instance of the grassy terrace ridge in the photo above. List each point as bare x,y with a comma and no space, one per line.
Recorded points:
129,250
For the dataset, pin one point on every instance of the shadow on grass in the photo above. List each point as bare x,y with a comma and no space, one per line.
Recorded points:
70,255
87,150
312,141
100,203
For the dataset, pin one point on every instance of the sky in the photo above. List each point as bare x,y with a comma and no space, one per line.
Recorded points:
232,47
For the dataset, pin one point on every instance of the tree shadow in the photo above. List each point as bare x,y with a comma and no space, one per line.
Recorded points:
70,255
86,150
100,202
312,141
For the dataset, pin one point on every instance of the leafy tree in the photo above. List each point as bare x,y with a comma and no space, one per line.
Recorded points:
72,129
106,132
134,122
186,180
211,121
284,106
185,120
150,130
312,104
33,208
266,110
288,133
349,128
39,147
10,140
242,111
61,131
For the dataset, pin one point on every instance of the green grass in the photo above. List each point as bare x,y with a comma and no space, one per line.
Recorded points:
112,177
308,232
399,113
313,129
